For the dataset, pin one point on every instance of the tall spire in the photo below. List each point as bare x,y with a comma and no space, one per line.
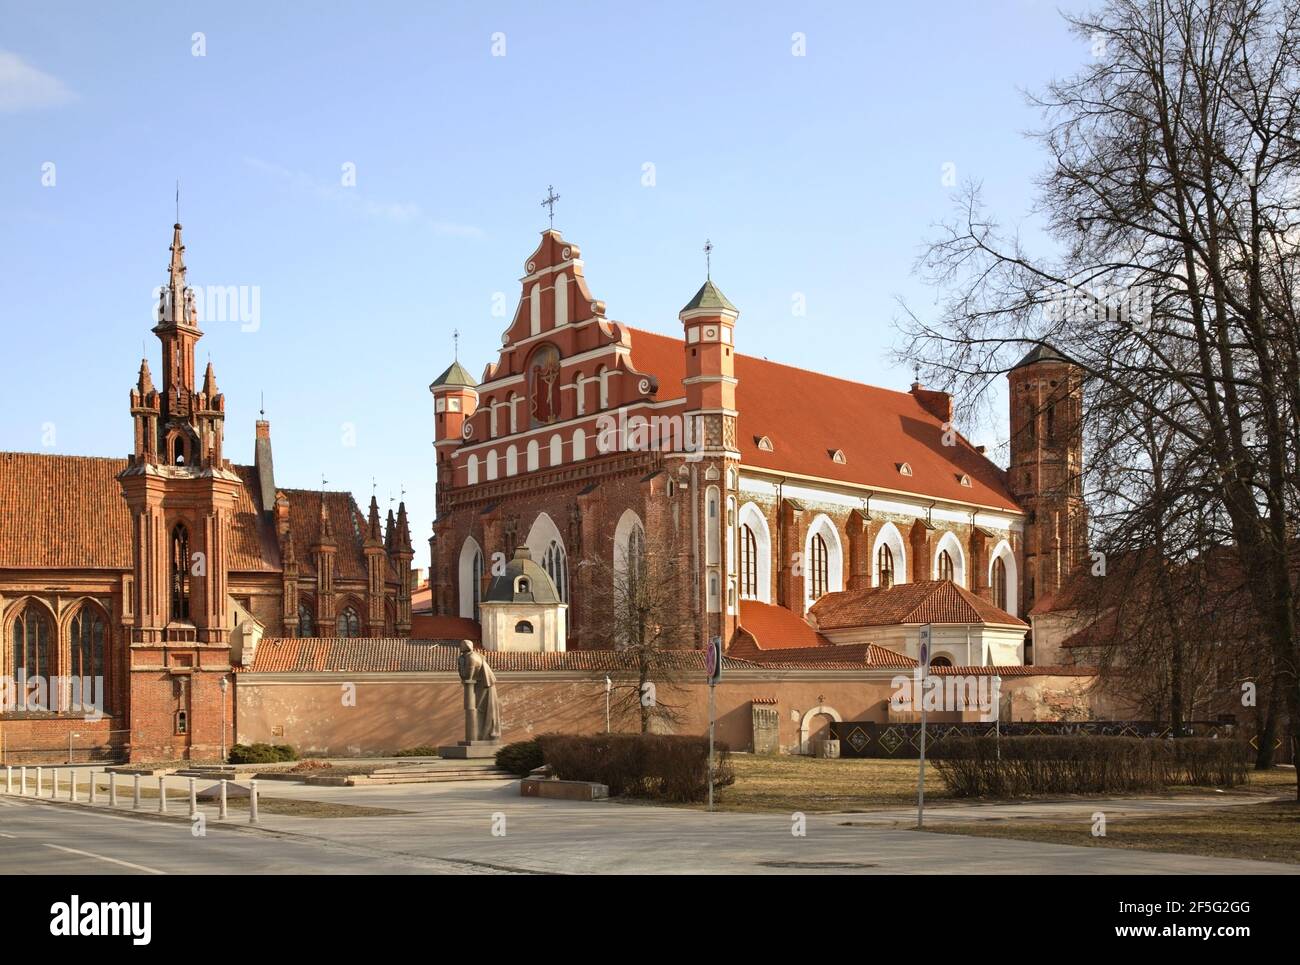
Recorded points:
374,537
145,384
403,539
209,382
176,307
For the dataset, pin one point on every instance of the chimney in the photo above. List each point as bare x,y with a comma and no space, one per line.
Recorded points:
938,404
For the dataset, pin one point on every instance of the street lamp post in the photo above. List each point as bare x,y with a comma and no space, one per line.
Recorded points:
225,686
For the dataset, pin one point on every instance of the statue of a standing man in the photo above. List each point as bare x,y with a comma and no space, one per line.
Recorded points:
482,710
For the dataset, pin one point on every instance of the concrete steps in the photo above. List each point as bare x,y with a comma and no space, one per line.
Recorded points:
434,772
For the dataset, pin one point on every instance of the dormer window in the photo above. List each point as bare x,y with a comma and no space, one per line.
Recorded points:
521,585
837,455
764,443
904,469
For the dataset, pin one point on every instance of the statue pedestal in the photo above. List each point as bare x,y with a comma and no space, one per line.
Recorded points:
464,750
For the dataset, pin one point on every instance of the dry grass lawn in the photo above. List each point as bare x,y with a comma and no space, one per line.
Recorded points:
789,783
1268,831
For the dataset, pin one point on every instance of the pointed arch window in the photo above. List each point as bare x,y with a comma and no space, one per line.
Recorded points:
885,565
348,623
32,636
945,565
748,563
306,621
87,644
180,572
819,571
477,591
557,566
999,584
635,561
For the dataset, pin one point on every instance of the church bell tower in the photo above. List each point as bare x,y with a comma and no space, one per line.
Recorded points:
181,493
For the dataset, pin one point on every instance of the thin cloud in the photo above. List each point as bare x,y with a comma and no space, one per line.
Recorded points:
396,212
25,88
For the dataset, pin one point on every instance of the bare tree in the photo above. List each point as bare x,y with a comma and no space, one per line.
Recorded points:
637,600
1171,196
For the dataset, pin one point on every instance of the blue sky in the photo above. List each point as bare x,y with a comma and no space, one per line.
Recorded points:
817,176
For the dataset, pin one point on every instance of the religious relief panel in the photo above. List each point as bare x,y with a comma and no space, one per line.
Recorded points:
544,386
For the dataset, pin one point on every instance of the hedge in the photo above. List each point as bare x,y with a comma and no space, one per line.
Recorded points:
657,766
262,754
520,757
1024,766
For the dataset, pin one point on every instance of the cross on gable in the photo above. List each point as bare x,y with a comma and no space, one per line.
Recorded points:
549,202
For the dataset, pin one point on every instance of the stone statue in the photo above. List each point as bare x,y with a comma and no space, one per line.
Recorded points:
482,709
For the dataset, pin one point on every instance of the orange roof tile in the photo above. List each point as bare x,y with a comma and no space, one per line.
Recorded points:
808,416
396,654
776,628
928,601
62,512
67,512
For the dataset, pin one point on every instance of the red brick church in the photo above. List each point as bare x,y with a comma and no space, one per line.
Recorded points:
813,517
158,574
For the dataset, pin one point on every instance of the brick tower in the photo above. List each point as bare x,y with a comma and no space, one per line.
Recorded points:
713,469
1046,472
181,493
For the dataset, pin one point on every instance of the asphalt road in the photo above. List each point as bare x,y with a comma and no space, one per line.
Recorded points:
486,827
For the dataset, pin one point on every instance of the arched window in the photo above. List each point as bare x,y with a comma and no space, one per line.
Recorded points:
940,661
523,626
87,643
306,621
180,567
557,450
348,623
579,444
999,584
945,565
819,571
471,469
748,562
557,566
534,451
477,570
32,636
635,557
885,565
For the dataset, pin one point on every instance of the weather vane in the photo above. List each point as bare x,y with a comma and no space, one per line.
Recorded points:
178,200
708,259
455,344
549,202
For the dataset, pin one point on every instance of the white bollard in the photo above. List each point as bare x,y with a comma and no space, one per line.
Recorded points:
194,801
22,780
136,803
112,789
72,784
54,782
162,793
40,777
92,786
252,802
221,814
9,780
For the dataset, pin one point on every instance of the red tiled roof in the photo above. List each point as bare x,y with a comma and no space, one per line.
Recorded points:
62,512
927,601
1056,670
395,654
876,428
776,628
347,525
834,657
67,512
427,626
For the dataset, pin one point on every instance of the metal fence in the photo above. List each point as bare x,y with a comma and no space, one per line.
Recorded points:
74,748
903,741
